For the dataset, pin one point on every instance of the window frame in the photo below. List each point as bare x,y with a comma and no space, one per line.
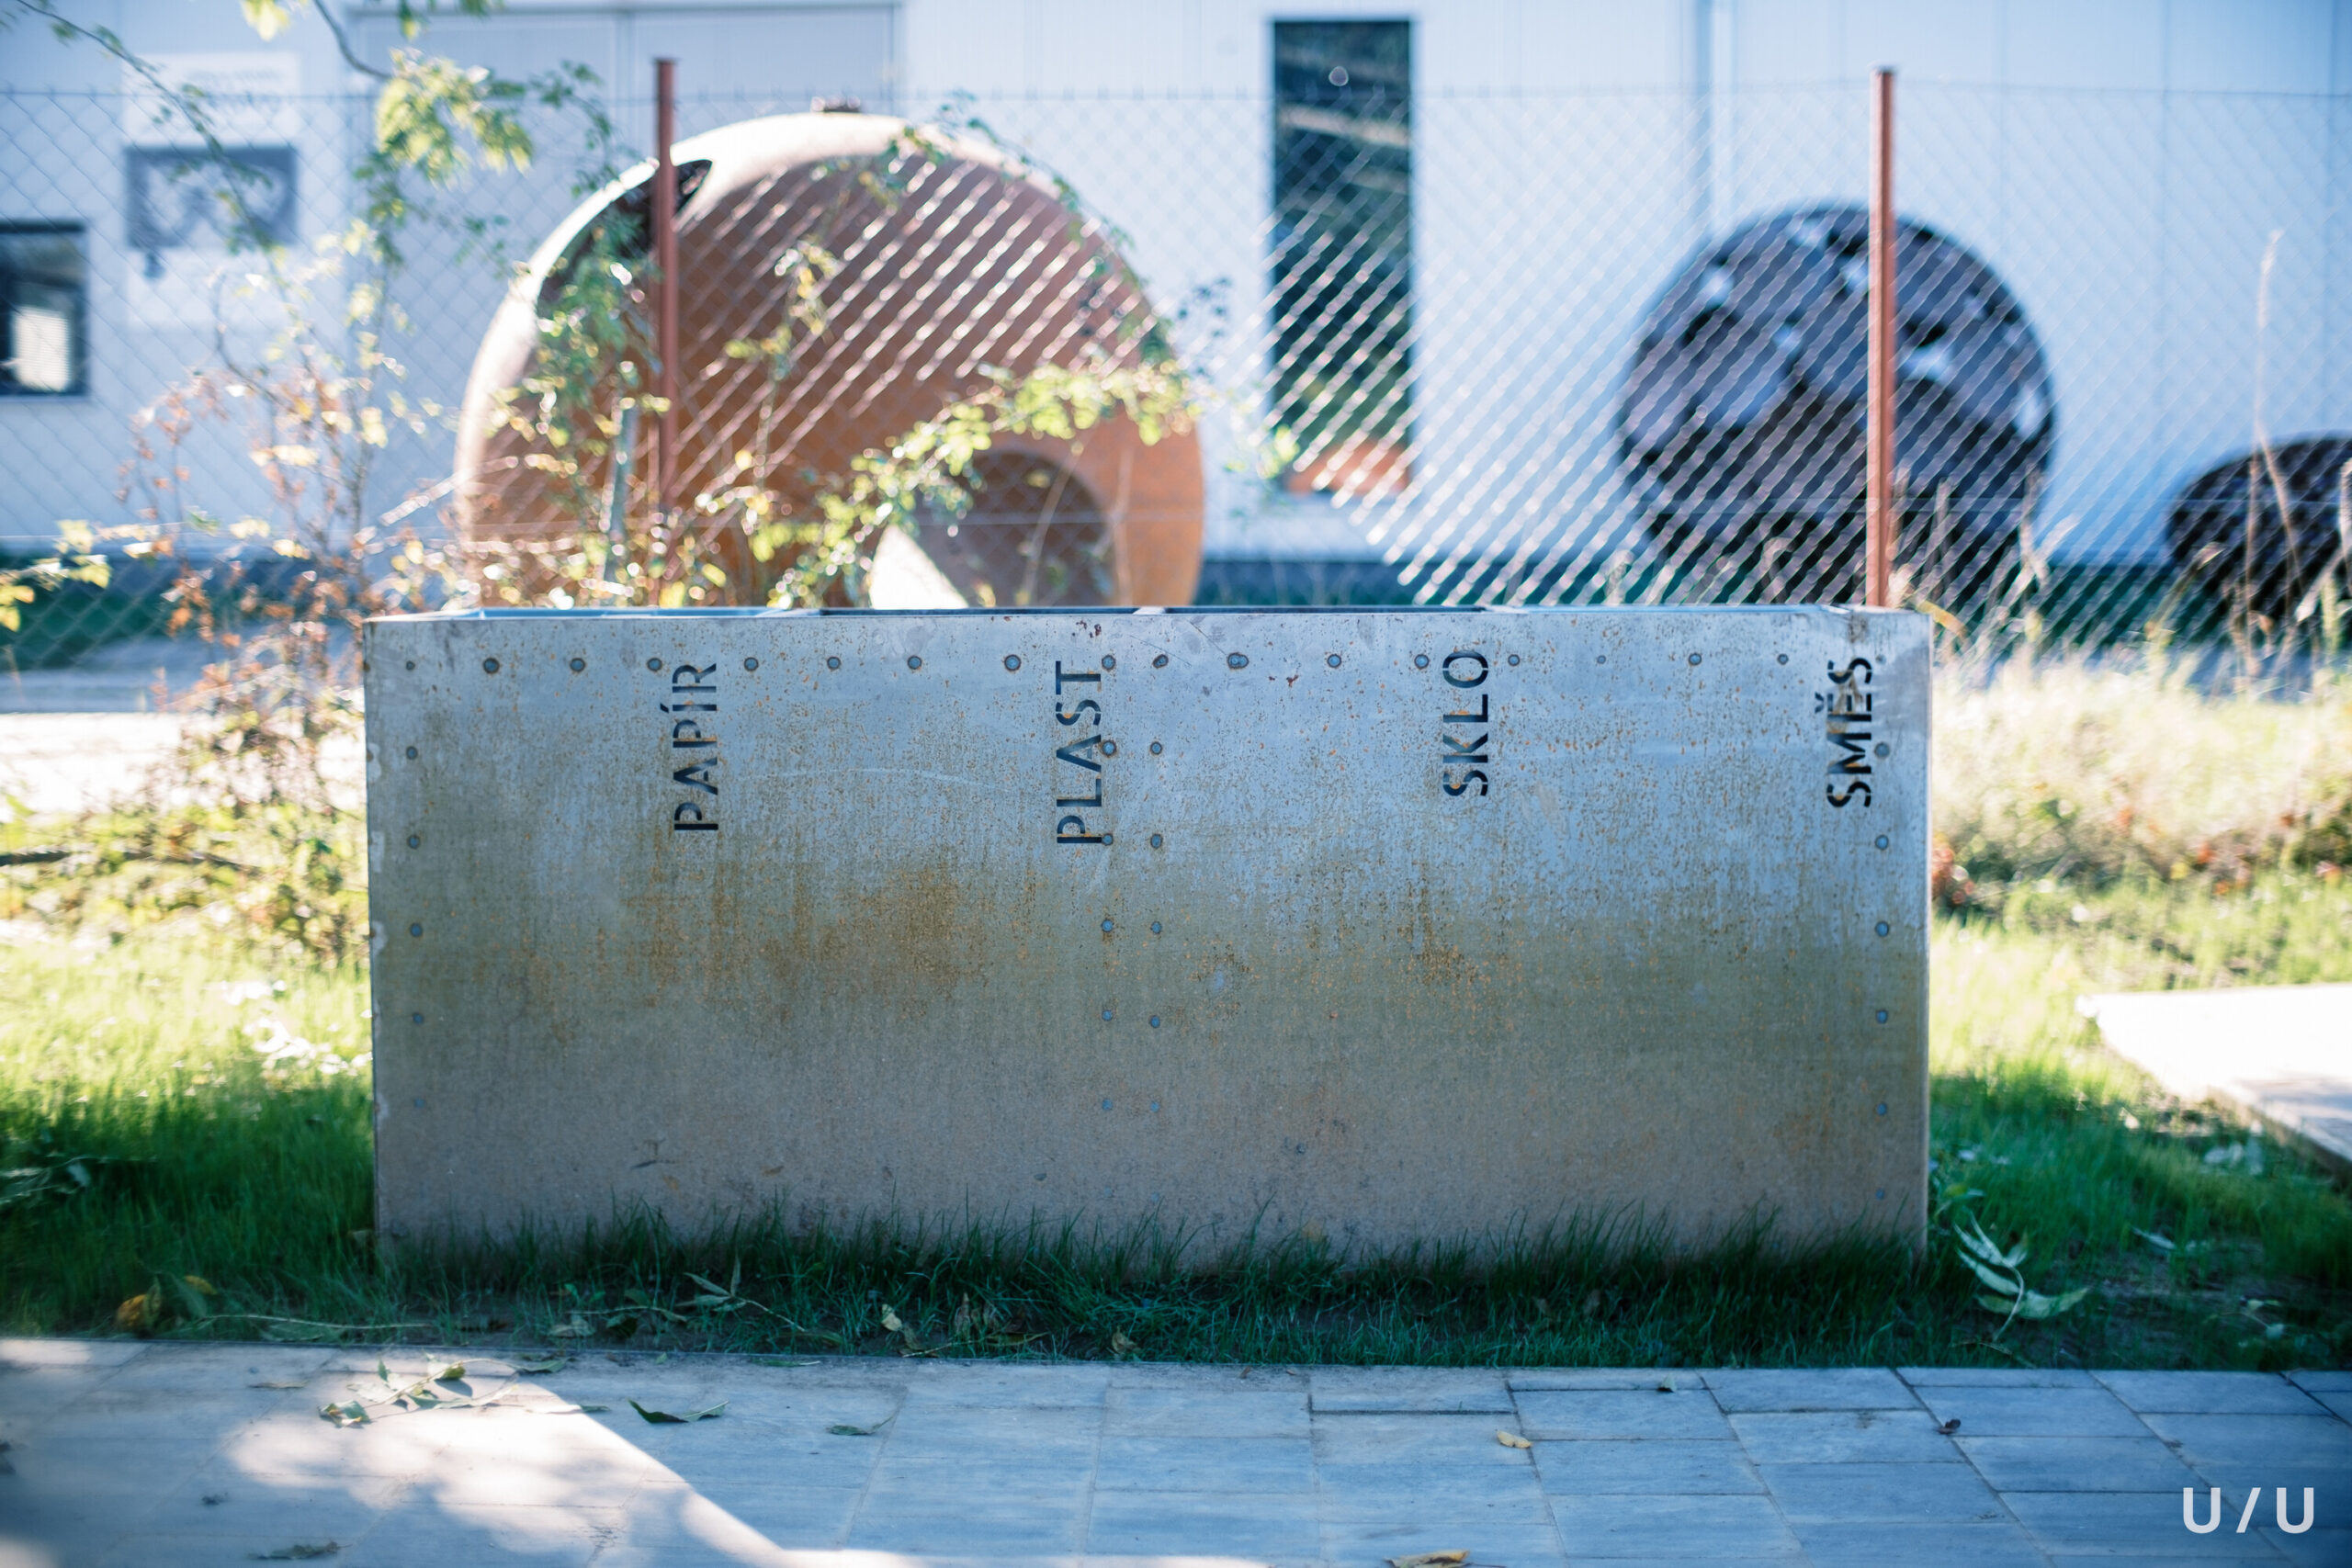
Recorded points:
77,384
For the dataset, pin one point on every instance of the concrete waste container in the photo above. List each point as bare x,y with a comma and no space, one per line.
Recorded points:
1389,926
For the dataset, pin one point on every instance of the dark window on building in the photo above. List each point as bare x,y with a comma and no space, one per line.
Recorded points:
1342,267
44,310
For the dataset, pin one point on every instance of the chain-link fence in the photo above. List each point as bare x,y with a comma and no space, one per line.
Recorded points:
1529,349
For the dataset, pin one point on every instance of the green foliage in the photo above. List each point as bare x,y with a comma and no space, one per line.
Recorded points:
74,560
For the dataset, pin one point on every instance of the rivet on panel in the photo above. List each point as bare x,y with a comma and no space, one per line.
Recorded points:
578,665
1160,662
416,931
1237,662
1881,1015
411,664
1420,662
1110,748
1110,661
1106,1015
1155,1024
1881,1191
1155,928
1106,925
1106,1104
832,662
1882,1108
1883,748
751,664
1882,840
914,660
1513,659
1013,661
490,666
412,753
1332,659
1600,659
1155,747
416,1018
653,664
1784,658
1106,841
1154,841
1883,928
1694,659
413,841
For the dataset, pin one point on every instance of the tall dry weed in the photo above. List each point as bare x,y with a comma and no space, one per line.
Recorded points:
2061,768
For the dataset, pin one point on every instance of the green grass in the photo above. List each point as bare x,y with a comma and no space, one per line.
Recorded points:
131,1058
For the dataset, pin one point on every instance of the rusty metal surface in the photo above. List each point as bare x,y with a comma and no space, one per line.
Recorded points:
1403,925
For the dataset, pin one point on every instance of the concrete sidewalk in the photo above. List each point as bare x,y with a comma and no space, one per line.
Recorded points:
198,1454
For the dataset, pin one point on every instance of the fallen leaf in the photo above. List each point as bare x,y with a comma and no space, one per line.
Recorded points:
1949,1427
890,1322
593,1409
1512,1441
352,1415
299,1552
1665,1385
778,1361
843,1429
2156,1239
665,1418
1430,1559
1121,1344
576,1329
540,1366
455,1372
276,1385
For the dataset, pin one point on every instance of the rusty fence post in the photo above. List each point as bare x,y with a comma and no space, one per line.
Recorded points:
1880,438
665,261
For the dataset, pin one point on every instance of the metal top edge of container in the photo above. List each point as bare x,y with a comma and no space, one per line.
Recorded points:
599,611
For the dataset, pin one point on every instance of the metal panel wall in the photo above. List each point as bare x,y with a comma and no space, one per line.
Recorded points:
1404,925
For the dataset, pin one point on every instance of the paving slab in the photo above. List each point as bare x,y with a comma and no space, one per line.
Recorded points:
2281,1053
1830,1388
203,1454
2209,1393
2037,1412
